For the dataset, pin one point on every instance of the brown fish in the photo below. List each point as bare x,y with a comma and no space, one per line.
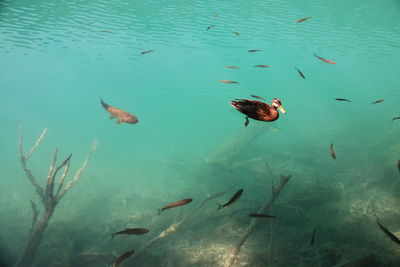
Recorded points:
303,19
257,215
235,197
131,231
262,66
227,81
123,257
121,115
325,60
398,165
377,101
254,50
237,33
388,233
396,118
176,204
259,97
147,51
105,31
301,74
209,27
342,99
333,155
232,67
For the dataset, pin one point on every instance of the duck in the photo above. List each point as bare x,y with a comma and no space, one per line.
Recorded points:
258,110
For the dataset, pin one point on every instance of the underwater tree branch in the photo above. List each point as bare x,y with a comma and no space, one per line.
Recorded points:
174,226
47,196
23,159
233,255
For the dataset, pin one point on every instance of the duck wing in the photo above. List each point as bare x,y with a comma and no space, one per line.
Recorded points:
252,108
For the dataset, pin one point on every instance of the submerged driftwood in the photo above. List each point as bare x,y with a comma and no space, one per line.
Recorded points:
275,193
48,197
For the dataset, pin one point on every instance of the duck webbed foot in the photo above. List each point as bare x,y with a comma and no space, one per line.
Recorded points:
246,122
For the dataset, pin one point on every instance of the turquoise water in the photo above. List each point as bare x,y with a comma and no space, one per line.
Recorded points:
57,57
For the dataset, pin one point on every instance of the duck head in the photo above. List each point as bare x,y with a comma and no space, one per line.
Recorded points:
276,103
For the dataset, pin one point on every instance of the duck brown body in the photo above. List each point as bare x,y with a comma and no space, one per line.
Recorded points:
256,110
121,115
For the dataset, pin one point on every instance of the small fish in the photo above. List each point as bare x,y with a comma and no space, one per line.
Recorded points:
121,115
396,118
333,155
388,233
246,123
227,81
303,19
176,204
262,66
258,97
209,27
254,50
215,16
147,51
325,60
377,101
237,33
257,215
313,237
232,67
123,257
398,165
131,231
301,74
342,99
235,197
105,31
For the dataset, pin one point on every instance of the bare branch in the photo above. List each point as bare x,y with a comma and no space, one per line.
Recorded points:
60,185
50,182
35,215
174,226
233,255
53,163
23,159
78,172
36,144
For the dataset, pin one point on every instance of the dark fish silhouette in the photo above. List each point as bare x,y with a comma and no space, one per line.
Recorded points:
227,81
313,237
237,33
257,215
131,231
396,118
398,164
235,197
342,99
119,114
377,101
147,51
123,257
388,233
325,60
232,67
209,27
105,31
333,155
303,19
262,66
254,50
176,204
259,97
301,74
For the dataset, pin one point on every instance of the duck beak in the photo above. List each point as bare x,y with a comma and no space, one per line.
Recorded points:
281,109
